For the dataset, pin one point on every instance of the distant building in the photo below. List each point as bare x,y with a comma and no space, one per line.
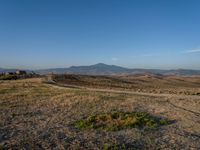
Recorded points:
20,72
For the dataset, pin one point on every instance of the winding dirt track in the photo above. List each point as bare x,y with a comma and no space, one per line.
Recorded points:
169,96
120,91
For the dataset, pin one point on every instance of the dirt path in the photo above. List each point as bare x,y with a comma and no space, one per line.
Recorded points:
121,91
168,96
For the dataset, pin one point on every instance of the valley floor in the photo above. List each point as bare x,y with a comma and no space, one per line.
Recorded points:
37,115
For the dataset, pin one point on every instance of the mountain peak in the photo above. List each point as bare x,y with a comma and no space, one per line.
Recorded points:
104,69
101,64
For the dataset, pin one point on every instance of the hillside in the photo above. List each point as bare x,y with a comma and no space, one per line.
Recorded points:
137,83
104,69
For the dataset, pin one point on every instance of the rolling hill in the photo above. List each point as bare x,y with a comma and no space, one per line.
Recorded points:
104,69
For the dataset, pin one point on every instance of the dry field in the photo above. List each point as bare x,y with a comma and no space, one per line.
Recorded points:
37,115
138,83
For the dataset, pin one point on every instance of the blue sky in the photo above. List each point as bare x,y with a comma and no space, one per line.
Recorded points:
161,34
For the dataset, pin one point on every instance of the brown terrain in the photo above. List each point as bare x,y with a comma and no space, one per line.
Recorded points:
49,112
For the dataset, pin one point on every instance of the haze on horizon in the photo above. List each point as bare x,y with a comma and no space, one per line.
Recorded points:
161,34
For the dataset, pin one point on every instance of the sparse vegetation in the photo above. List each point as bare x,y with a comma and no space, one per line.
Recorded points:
115,121
36,115
139,83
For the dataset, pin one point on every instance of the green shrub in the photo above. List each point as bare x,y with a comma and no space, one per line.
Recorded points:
115,121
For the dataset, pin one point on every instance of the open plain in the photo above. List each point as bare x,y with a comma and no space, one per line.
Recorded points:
42,113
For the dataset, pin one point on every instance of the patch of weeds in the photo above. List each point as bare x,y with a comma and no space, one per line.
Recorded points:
164,122
116,121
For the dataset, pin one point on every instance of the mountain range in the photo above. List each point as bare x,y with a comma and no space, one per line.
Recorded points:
104,69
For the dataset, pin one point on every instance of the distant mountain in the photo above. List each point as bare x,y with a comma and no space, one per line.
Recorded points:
97,69
104,69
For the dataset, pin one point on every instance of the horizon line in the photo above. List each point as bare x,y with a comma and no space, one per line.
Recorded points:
37,69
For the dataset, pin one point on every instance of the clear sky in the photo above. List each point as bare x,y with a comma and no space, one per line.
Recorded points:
161,34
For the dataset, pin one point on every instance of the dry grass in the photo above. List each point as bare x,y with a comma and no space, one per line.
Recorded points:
35,115
139,83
